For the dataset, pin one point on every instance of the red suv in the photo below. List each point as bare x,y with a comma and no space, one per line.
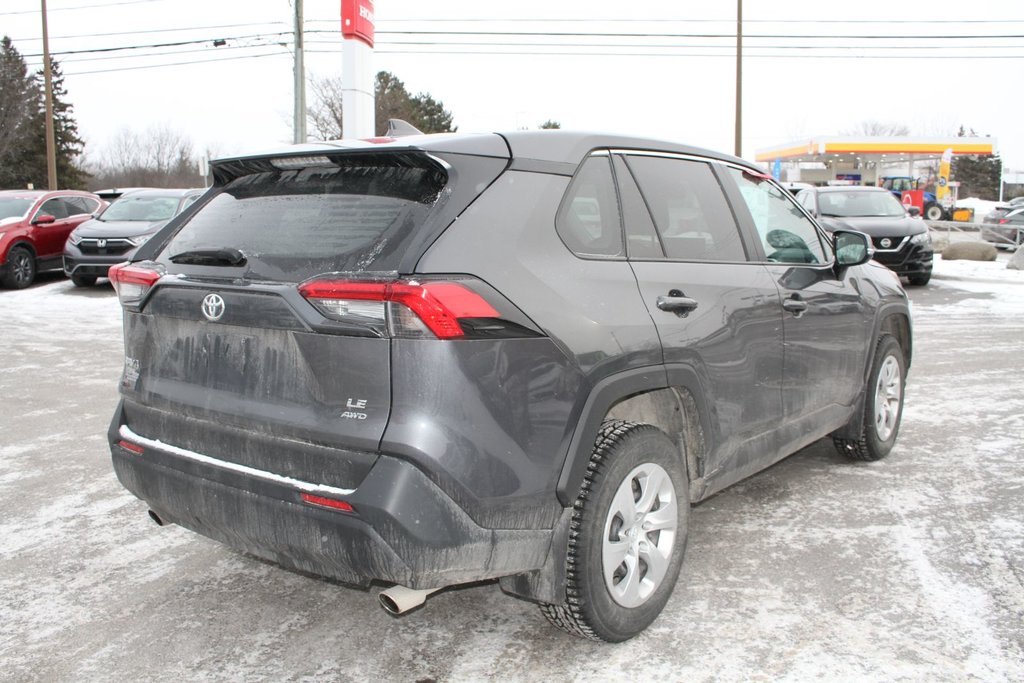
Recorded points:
34,224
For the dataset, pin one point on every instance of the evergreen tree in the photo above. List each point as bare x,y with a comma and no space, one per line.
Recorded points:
23,126
978,175
19,100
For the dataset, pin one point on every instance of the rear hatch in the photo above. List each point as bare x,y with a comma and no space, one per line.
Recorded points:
258,329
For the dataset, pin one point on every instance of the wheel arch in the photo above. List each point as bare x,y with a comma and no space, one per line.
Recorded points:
669,398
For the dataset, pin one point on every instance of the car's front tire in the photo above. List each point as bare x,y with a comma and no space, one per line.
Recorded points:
884,409
920,280
21,268
83,280
627,535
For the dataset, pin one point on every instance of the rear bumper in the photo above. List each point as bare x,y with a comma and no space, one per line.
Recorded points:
403,528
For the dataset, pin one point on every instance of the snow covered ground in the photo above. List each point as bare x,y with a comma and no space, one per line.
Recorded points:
909,569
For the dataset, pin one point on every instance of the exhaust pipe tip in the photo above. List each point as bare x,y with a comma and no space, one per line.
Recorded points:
399,599
156,518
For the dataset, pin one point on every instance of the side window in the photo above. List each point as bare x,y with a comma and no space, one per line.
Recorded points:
642,239
787,235
806,200
588,220
54,207
78,205
689,209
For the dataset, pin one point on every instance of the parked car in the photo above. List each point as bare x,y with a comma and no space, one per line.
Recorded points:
115,234
454,358
901,241
33,227
1004,225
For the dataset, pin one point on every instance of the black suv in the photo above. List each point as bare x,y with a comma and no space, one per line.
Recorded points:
435,360
902,242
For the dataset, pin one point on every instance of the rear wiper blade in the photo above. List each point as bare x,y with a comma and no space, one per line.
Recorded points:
225,256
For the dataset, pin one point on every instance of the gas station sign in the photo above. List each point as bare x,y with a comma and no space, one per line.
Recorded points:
357,20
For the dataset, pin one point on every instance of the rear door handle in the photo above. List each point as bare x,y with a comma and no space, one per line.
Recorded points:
795,305
676,303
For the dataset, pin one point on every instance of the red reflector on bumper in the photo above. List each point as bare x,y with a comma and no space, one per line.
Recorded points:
327,502
130,447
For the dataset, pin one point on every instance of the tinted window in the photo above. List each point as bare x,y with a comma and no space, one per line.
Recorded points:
689,209
806,200
787,235
292,225
78,205
588,219
641,238
56,208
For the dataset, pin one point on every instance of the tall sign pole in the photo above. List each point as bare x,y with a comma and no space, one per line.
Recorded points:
739,78
300,78
357,97
51,146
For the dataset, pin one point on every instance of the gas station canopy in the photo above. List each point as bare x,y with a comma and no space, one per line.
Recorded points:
883,150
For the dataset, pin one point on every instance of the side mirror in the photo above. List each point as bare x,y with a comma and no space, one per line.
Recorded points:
914,211
43,219
851,248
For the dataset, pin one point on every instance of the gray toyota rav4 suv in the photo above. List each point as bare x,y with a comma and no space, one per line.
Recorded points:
442,359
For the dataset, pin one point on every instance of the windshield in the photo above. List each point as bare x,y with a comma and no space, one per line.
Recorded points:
360,215
859,203
146,209
14,208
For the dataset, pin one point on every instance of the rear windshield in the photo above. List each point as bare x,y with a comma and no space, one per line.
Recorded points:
293,224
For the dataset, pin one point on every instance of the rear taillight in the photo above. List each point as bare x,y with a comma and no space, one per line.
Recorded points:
1003,220
400,308
132,281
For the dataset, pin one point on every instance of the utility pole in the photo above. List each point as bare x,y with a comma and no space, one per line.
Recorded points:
300,78
51,146
739,78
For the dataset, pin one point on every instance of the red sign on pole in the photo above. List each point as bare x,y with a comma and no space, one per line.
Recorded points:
357,20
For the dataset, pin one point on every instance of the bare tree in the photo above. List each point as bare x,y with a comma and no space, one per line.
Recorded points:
325,114
157,157
883,129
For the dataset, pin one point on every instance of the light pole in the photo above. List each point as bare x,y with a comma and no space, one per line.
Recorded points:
51,147
300,79
739,78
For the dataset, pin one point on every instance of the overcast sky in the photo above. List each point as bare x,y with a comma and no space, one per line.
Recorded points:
946,63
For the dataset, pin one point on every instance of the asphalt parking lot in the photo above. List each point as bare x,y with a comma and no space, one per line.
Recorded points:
911,568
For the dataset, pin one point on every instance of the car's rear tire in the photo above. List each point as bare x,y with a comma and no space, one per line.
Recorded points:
884,408
627,535
21,268
83,280
920,280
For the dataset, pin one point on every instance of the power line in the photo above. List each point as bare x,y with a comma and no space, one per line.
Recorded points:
672,45
66,9
159,45
195,61
675,54
562,34
156,30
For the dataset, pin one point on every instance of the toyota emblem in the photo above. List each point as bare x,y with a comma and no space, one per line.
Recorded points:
886,243
213,307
